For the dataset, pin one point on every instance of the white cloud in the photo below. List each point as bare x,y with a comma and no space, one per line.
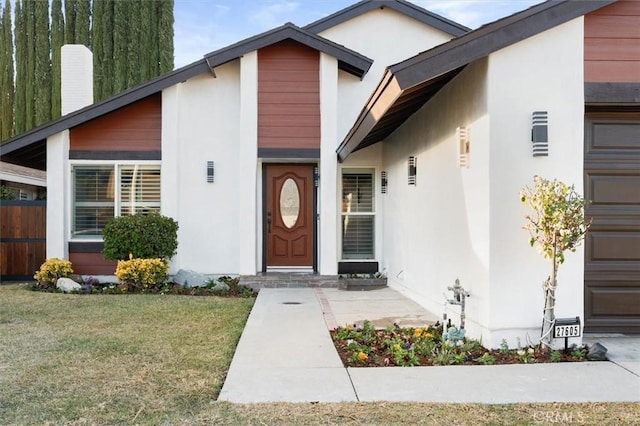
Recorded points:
273,14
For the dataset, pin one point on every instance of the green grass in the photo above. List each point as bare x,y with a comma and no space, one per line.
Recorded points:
151,359
113,359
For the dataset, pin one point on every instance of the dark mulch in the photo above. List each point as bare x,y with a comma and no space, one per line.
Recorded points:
367,347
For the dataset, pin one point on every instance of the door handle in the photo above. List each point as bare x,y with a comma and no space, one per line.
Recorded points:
268,222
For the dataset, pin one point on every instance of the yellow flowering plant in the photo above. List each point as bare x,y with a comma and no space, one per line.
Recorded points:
141,274
52,269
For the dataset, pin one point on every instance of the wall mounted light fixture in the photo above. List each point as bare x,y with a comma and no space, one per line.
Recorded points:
462,137
210,172
383,182
540,133
413,169
316,176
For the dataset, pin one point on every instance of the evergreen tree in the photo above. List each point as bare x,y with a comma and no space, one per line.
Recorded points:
82,22
6,74
120,44
57,40
70,8
102,39
165,36
20,108
134,48
42,64
28,10
148,15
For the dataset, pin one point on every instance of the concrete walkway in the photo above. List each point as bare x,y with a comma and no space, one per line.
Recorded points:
286,354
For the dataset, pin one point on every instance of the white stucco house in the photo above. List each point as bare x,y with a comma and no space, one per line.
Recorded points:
382,138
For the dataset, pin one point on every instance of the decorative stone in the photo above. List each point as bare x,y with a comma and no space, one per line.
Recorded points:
77,278
597,352
67,285
187,279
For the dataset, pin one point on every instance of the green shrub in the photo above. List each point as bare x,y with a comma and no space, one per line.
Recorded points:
142,237
52,269
141,274
6,193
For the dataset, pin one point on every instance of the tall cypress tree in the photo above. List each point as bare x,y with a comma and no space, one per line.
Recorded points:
148,15
6,74
82,23
134,47
28,9
57,40
70,8
21,69
165,36
121,25
42,64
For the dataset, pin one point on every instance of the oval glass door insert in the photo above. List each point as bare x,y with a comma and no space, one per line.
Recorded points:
289,203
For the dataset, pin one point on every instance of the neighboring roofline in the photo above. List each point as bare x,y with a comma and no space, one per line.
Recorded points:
103,107
409,9
348,60
20,174
461,51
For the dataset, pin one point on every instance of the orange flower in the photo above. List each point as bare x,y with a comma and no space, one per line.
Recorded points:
362,356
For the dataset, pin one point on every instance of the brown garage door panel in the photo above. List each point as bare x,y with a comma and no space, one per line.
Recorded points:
618,135
615,247
614,190
614,301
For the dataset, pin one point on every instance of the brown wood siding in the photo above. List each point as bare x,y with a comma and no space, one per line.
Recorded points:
288,96
135,127
612,252
612,44
92,264
22,238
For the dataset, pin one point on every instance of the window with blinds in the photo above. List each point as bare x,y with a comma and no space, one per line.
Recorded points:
104,191
358,214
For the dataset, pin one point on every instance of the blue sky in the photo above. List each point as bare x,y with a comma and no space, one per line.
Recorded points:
202,26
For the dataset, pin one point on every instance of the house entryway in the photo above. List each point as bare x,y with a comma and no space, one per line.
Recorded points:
612,251
289,211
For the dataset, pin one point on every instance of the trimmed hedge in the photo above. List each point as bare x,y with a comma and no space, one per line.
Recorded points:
144,237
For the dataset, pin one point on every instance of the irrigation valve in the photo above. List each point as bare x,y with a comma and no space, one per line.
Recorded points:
459,296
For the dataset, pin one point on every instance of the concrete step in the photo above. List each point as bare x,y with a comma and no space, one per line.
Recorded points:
309,280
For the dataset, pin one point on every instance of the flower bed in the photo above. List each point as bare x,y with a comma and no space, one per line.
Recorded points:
367,347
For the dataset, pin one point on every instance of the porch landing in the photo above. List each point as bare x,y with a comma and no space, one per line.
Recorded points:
309,280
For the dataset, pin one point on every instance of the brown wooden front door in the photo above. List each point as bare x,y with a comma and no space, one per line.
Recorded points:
289,226
612,252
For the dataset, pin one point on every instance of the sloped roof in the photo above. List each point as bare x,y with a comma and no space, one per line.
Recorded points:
15,173
348,60
409,9
31,144
408,85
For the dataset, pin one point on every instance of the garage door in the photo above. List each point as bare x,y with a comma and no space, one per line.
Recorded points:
612,253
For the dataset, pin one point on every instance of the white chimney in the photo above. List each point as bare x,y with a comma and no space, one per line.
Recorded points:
77,77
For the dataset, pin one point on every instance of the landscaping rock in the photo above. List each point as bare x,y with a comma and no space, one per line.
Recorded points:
187,279
597,352
77,278
67,285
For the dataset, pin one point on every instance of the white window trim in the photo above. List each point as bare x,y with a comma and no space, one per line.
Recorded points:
114,163
376,212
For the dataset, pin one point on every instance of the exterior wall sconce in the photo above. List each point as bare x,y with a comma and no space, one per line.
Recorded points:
316,176
540,133
413,168
462,136
383,182
210,172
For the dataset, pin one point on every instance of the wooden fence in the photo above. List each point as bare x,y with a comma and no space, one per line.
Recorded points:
23,241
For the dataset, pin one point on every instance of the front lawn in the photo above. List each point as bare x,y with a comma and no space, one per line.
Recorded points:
113,358
152,359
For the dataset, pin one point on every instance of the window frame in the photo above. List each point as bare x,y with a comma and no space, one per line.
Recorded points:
115,164
373,213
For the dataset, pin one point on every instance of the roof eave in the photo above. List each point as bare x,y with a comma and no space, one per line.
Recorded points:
348,60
